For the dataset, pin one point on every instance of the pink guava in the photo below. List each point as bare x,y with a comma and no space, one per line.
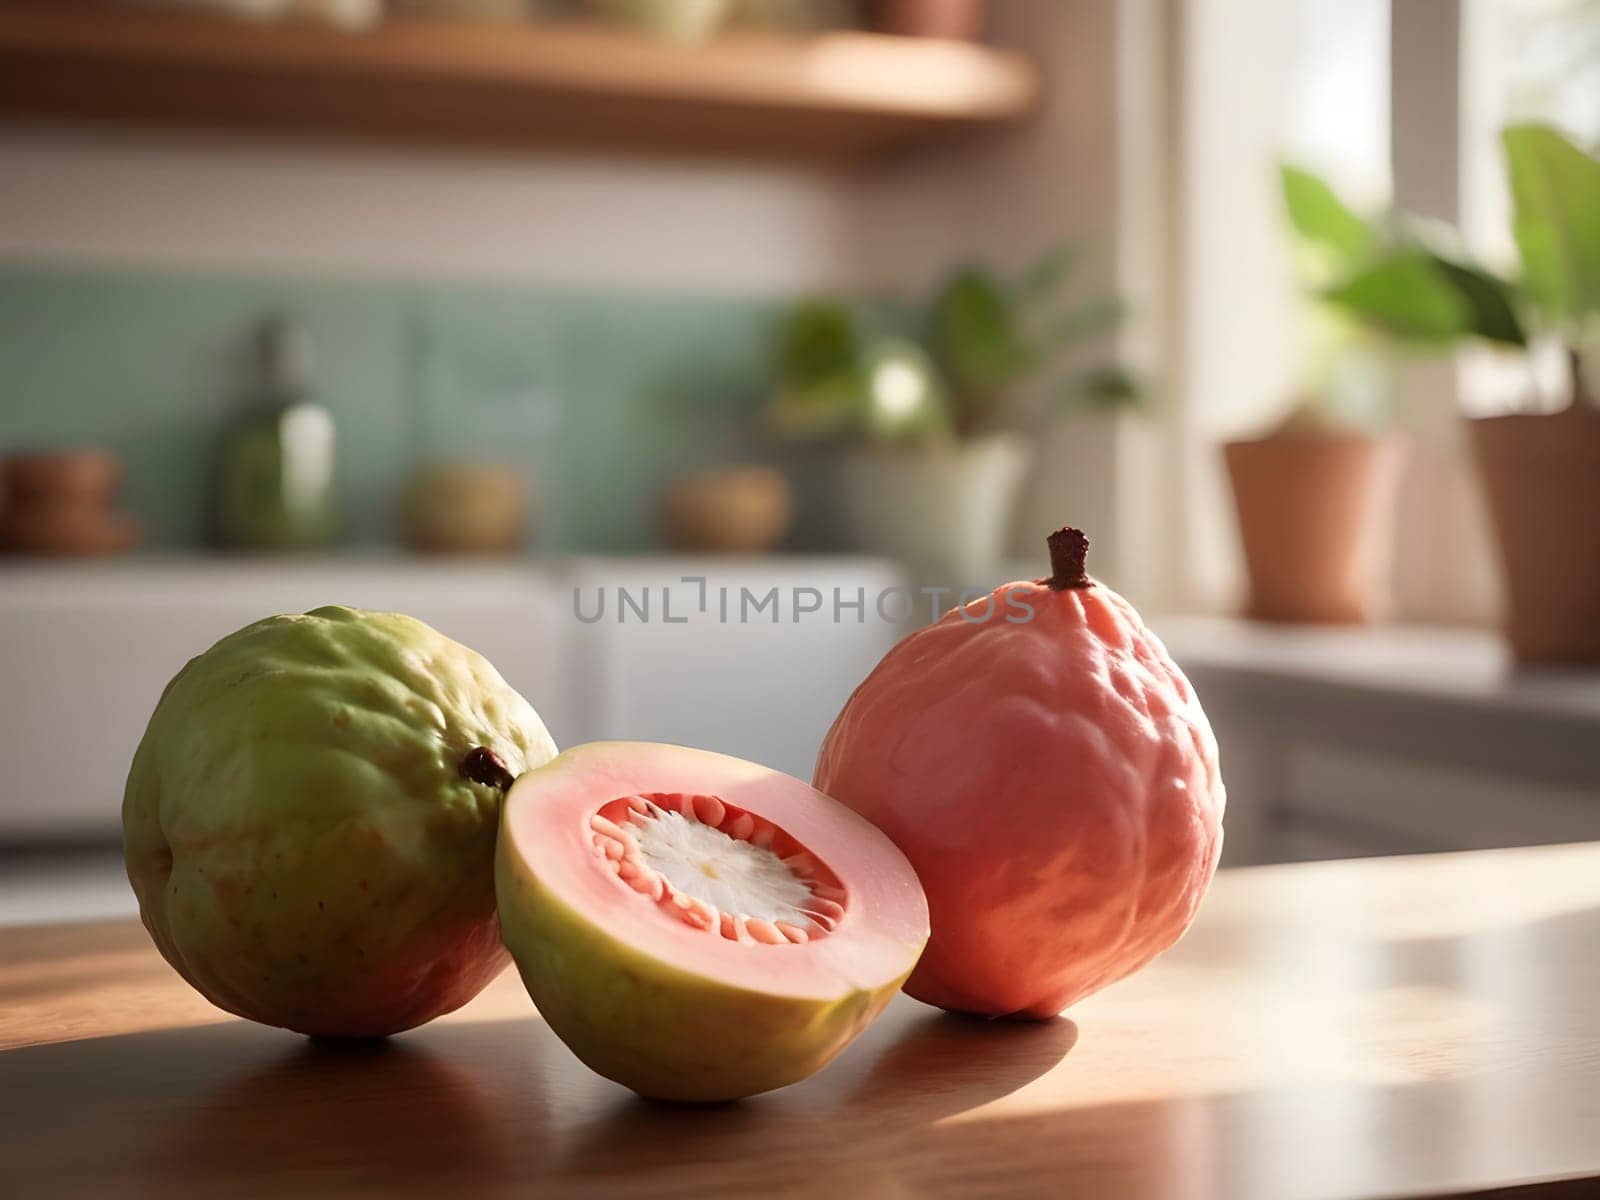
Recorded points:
1047,769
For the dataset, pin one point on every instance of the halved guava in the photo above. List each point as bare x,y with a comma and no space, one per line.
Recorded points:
698,927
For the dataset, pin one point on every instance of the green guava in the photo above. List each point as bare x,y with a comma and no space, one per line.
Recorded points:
310,819
696,927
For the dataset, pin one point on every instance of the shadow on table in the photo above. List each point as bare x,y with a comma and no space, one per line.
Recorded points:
476,1103
185,1111
499,1107
231,1105
913,1069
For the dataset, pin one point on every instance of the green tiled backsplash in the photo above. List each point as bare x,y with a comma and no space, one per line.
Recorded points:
601,397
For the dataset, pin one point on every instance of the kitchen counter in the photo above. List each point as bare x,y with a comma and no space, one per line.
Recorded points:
1465,669
1353,742
1406,1026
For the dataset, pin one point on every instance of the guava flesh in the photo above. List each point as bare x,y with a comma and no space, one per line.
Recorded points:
664,1004
307,847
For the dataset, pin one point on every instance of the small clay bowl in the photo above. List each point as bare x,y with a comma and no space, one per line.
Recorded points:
81,478
467,508
742,510
67,532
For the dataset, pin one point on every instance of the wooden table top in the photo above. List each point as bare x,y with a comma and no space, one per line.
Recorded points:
1423,1026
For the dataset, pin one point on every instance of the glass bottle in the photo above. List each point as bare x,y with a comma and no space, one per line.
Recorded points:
275,478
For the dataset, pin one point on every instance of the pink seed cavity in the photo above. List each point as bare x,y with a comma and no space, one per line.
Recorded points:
615,845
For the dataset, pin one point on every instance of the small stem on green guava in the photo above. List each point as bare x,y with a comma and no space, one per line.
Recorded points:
483,765
1068,550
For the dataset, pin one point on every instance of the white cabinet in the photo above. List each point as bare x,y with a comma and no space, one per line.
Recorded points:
1339,743
752,658
85,650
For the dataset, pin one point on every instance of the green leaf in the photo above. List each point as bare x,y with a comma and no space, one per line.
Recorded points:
1491,309
817,343
1048,272
817,356
1406,296
1320,217
977,336
1555,193
1092,316
819,411
1106,388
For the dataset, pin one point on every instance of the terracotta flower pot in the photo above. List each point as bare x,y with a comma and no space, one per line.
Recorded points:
961,20
1316,516
1541,475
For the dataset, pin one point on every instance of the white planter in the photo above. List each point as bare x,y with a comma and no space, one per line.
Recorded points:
945,512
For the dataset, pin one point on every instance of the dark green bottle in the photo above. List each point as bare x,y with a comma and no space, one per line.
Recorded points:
275,474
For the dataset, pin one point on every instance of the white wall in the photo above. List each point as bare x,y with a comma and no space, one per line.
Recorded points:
1003,198
1443,567
1232,350
213,203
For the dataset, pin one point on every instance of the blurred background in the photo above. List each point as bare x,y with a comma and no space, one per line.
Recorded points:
681,355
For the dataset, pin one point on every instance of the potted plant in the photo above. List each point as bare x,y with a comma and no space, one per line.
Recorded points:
1315,494
1541,470
933,405
1540,466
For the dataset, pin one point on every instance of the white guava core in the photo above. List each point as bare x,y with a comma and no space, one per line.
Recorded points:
732,876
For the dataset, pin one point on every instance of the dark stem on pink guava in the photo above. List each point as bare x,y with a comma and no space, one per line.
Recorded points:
483,765
1068,549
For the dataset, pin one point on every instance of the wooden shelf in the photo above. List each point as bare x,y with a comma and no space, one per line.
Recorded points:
835,97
